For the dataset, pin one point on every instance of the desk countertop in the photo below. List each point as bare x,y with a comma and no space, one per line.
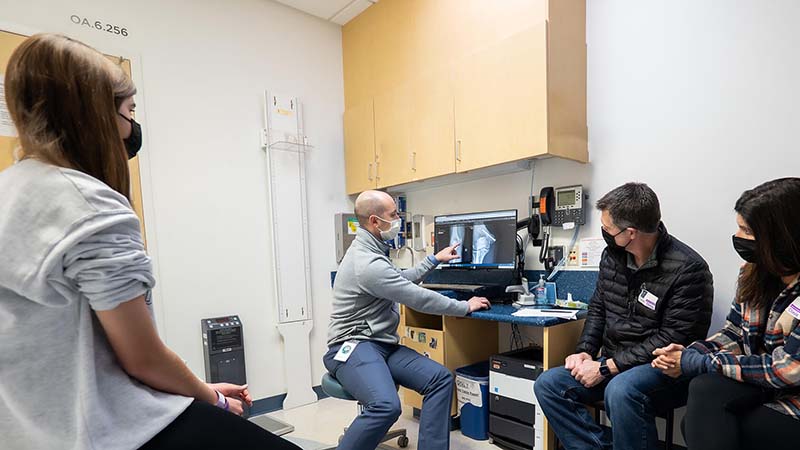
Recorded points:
504,313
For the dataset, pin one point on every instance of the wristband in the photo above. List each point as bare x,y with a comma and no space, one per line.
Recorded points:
222,401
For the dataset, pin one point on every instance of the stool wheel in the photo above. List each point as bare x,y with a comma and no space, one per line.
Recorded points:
402,441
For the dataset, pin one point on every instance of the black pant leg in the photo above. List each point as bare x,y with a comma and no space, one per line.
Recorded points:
766,428
712,411
204,426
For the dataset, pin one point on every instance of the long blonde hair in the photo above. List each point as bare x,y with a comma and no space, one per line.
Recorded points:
63,97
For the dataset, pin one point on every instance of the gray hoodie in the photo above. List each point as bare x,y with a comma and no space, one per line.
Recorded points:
368,288
70,246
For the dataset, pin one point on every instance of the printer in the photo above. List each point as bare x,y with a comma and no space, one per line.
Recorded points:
515,421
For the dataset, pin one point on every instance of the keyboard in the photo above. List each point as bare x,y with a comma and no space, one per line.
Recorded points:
452,287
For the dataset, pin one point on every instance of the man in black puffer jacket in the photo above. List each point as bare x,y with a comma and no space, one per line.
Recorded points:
652,290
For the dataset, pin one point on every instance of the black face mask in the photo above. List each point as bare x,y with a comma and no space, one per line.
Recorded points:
133,143
746,248
611,242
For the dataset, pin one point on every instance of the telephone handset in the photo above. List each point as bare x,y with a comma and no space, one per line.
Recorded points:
546,204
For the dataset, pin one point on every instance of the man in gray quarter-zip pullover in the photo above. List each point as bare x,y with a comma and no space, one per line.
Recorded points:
364,354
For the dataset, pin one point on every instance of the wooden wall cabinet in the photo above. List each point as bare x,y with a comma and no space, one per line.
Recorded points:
392,114
359,148
459,85
501,115
431,127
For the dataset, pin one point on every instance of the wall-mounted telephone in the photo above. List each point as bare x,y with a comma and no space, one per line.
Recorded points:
558,206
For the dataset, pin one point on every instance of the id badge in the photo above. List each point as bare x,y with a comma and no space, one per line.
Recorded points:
794,308
345,351
648,299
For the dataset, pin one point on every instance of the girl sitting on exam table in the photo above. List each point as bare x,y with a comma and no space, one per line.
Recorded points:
81,363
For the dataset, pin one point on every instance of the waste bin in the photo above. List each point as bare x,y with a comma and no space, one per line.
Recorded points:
472,393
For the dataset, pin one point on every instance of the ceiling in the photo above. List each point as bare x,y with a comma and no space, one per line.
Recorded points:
336,11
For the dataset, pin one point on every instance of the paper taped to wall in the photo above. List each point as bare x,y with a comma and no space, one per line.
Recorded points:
591,251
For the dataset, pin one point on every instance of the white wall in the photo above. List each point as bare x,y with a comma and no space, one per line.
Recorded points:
697,99
201,67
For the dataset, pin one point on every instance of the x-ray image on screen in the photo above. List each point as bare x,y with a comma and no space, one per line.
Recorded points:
457,237
488,240
482,245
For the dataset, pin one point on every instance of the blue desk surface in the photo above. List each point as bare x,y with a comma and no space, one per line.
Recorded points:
503,313
580,283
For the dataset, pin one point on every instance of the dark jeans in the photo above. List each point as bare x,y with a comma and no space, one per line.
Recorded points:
632,399
723,413
371,375
204,426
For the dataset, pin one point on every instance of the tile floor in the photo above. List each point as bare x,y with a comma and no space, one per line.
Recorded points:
324,421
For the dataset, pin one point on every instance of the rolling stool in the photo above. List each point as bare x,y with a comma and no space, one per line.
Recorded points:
331,386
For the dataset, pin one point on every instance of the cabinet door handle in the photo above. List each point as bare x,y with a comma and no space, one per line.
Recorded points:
458,150
369,171
414,161
377,170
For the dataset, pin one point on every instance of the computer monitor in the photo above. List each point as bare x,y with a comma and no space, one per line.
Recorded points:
488,239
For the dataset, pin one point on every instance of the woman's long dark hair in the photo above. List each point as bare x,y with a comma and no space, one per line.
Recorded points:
772,211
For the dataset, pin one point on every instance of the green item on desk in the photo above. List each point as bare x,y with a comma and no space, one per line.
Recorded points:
572,304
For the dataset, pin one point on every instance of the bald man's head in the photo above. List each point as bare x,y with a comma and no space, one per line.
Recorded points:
373,203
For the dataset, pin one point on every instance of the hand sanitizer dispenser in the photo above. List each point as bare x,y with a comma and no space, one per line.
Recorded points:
541,291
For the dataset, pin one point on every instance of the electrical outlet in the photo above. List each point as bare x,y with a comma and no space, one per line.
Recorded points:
573,259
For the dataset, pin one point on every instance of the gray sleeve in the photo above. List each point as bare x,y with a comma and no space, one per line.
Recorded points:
381,280
109,265
418,272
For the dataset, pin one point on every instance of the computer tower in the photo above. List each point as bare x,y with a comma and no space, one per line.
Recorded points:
223,352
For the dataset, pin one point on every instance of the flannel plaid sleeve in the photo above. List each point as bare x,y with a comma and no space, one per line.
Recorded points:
728,339
778,370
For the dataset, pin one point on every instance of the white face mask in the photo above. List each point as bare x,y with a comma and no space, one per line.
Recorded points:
392,232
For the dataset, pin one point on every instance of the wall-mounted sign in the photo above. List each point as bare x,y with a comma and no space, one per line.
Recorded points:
99,25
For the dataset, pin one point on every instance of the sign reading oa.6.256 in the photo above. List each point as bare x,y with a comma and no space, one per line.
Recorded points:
98,25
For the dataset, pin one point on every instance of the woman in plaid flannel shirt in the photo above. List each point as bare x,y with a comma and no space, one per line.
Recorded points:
746,393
